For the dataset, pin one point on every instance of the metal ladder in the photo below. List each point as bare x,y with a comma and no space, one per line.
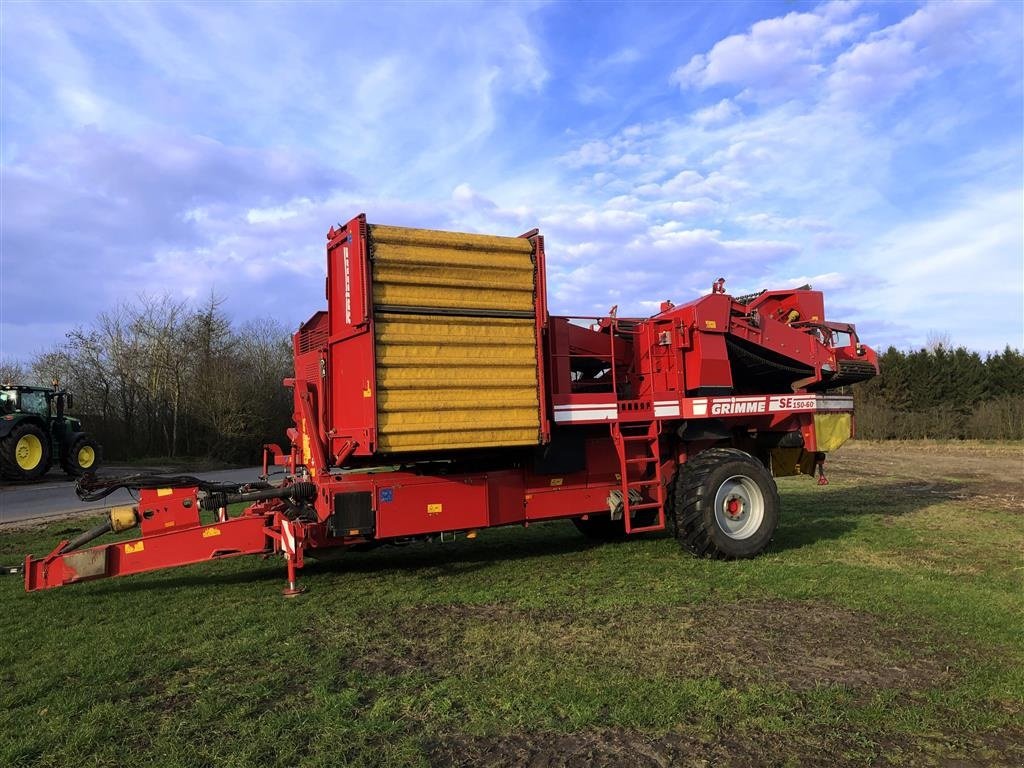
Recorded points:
627,434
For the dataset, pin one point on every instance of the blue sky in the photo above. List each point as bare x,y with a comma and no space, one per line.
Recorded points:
874,150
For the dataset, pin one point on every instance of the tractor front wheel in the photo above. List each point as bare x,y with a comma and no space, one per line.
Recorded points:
83,455
25,453
726,506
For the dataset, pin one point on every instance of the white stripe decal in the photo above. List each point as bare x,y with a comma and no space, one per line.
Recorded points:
712,406
603,414
288,538
348,288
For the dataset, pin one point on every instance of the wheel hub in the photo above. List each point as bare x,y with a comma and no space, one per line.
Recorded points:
86,457
739,507
734,507
28,452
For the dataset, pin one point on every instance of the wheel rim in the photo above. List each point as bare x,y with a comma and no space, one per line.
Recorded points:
28,452
86,456
739,507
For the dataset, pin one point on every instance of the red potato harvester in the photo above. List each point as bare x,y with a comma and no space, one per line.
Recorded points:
436,396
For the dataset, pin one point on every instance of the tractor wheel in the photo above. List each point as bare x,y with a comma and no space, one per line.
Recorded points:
25,453
83,455
726,506
600,527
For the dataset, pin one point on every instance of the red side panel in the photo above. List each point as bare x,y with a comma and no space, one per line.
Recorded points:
351,414
541,289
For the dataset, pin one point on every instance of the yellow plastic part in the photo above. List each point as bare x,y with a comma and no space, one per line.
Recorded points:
448,381
793,461
832,430
786,461
424,268
28,452
122,518
455,382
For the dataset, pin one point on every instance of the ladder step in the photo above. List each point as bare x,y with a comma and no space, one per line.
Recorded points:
645,505
648,528
643,483
640,461
635,438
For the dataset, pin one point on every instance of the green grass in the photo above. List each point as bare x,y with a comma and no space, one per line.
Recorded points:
883,625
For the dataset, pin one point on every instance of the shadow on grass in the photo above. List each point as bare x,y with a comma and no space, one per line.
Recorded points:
809,516
456,558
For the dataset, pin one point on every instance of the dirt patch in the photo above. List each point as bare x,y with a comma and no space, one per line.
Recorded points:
611,748
800,645
621,748
989,475
808,644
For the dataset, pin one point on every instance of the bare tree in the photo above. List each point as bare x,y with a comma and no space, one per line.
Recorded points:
13,372
159,376
936,340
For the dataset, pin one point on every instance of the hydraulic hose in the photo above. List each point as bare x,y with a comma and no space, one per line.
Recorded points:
86,536
92,488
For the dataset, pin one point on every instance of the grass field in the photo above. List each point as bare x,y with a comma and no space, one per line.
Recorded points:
884,627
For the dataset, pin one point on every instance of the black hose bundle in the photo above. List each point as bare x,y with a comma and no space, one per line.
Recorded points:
92,488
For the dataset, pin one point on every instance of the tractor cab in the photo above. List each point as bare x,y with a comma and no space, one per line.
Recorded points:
30,400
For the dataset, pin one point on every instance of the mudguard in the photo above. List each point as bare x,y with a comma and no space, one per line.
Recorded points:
7,424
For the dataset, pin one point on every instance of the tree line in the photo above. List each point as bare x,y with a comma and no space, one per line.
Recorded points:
160,377
943,393
163,378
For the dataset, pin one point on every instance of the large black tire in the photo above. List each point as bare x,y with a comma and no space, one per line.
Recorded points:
726,505
601,527
25,453
82,455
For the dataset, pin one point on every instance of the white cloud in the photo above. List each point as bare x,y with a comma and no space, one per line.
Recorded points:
803,186
272,215
960,270
702,207
710,246
722,112
591,153
824,282
623,56
896,58
776,55
770,222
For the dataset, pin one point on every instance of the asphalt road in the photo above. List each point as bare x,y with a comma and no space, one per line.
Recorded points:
56,495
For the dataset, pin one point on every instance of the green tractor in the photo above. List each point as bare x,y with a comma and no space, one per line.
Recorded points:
34,431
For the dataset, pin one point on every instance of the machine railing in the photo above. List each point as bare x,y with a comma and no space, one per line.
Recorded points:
610,382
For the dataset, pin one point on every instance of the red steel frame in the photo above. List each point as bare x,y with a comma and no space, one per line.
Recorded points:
662,373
